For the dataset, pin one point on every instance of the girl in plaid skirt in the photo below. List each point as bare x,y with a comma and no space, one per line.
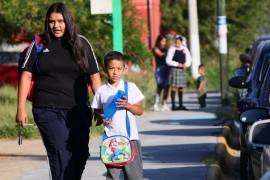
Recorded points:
178,58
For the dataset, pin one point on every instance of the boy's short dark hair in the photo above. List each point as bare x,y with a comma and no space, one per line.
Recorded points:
200,66
112,55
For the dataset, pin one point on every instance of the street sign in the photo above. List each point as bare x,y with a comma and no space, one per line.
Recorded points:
101,6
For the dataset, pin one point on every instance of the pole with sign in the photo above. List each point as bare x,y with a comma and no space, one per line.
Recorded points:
113,7
117,26
222,36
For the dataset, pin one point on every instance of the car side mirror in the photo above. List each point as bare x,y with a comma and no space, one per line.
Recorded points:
252,115
238,82
259,133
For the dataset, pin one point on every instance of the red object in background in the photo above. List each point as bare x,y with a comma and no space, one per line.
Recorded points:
9,75
155,16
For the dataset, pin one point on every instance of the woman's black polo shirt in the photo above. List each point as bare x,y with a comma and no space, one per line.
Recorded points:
59,81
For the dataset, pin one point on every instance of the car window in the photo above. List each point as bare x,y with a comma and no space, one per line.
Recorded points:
264,90
265,64
259,65
256,61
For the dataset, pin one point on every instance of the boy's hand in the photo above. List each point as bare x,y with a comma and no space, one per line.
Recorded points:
105,120
122,103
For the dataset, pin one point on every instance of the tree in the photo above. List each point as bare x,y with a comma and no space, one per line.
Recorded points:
18,16
246,20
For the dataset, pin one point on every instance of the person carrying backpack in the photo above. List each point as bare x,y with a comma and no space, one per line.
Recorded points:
62,64
126,106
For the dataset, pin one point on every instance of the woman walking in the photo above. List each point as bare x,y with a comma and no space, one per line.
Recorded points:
62,65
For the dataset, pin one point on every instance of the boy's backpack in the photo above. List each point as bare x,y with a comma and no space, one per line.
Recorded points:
39,49
117,151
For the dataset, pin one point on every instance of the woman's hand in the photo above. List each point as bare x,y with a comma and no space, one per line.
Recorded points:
180,65
21,117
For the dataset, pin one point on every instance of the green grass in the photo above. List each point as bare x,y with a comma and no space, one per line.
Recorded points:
8,126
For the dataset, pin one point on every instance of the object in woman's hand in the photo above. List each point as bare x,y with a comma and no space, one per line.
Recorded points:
20,135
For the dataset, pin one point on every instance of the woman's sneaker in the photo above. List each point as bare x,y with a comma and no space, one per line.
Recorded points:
156,107
165,107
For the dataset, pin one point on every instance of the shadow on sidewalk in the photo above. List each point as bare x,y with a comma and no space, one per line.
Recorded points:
185,154
191,173
184,132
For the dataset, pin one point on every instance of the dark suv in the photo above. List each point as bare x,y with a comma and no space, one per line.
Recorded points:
255,167
255,95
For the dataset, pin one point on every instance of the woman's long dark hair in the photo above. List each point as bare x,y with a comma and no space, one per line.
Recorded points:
71,35
159,38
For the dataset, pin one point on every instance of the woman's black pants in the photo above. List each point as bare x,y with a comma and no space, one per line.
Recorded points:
65,134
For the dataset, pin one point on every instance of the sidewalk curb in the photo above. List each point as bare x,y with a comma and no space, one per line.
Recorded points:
227,154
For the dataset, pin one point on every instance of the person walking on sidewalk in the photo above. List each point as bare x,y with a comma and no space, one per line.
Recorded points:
201,86
178,58
61,73
129,106
161,73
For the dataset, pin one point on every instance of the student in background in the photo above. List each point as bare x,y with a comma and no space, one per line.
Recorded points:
201,89
179,59
161,73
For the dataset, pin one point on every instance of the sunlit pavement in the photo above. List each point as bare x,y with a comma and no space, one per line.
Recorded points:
174,144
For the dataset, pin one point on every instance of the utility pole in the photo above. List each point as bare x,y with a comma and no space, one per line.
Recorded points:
149,25
194,37
223,50
117,26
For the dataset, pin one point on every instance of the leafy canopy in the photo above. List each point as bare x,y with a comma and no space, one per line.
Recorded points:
18,16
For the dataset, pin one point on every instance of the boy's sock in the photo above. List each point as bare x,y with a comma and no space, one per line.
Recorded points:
173,100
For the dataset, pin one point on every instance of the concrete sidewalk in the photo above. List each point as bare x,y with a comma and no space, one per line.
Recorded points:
173,144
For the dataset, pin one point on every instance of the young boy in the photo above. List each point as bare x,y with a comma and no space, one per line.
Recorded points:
201,91
115,69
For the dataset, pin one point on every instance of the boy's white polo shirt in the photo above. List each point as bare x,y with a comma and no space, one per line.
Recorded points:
102,99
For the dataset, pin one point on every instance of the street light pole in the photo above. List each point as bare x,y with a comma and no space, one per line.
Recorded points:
117,26
223,50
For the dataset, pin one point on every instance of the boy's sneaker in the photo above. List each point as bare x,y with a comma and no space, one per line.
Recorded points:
165,107
156,108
